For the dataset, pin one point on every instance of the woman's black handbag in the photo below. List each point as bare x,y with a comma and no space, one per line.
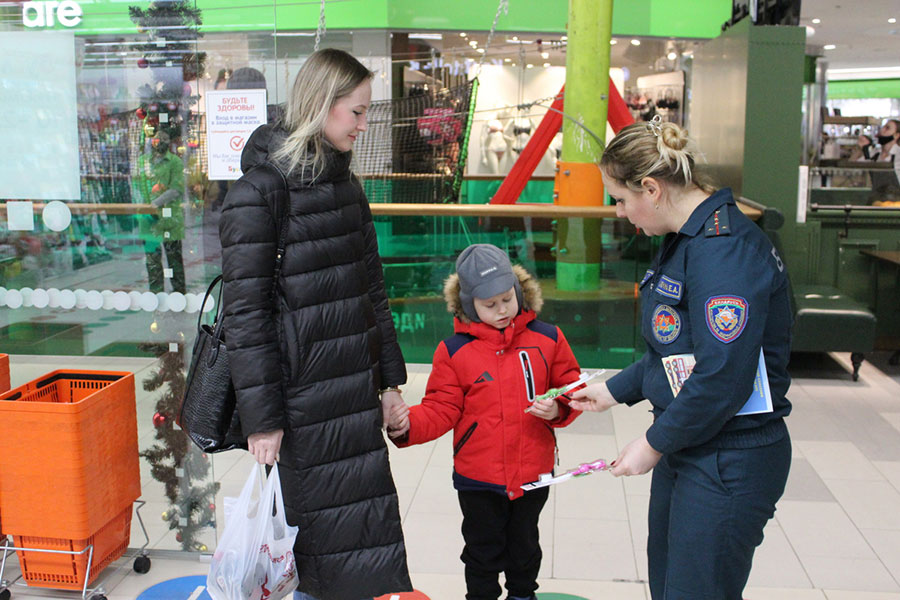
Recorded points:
209,412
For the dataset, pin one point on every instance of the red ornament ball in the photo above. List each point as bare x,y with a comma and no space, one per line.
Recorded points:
159,419
143,63
178,537
140,114
212,506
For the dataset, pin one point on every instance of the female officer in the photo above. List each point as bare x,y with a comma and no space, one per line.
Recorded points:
716,318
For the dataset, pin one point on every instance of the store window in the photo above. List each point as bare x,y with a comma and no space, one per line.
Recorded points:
110,194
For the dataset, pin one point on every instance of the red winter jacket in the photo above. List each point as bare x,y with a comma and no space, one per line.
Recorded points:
480,384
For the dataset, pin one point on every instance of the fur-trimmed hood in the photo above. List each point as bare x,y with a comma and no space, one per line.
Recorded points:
532,297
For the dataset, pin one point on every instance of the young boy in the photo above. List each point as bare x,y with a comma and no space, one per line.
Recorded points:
483,384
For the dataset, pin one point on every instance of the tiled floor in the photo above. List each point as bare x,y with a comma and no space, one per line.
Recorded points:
835,536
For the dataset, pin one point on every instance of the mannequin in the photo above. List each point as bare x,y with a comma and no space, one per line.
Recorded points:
495,148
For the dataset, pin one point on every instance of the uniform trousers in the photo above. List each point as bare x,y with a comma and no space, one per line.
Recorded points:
708,508
501,536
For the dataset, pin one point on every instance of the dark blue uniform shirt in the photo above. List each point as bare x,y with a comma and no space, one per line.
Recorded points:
717,290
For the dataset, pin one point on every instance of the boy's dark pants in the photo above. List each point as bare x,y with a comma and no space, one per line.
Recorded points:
501,536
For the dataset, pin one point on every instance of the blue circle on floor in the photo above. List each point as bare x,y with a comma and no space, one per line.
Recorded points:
180,588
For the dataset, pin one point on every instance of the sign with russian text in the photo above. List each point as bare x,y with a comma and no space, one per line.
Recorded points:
231,116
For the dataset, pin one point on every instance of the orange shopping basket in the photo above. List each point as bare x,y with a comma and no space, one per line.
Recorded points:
4,372
69,473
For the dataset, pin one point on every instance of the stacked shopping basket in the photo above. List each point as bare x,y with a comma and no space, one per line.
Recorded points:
69,473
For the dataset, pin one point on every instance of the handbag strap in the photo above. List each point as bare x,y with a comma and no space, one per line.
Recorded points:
217,322
280,211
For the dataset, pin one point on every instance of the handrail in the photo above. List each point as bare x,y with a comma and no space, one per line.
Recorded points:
552,211
848,208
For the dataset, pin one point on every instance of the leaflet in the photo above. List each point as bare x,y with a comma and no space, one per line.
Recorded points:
679,367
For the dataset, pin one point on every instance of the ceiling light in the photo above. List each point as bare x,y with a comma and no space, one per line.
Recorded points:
810,31
426,36
546,64
672,55
613,42
545,55
816,21
473,43
892,20
479,50
564,38
829,46
529,66
515,38
635,42
507,60
462,34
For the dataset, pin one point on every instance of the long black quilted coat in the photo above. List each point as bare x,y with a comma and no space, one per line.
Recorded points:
310,361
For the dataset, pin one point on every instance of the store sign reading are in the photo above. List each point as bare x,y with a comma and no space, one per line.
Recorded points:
46,14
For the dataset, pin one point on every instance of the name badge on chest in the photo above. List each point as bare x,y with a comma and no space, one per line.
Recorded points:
669,287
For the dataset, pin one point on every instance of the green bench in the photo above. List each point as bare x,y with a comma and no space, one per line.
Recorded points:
825,318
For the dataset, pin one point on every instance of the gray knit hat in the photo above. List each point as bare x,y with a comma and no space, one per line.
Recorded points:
484,271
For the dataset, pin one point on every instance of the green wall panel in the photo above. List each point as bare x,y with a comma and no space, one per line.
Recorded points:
864,88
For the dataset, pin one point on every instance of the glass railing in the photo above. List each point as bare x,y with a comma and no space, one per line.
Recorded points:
854,183
93,289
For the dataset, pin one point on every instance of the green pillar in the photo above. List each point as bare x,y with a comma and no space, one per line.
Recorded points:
587,92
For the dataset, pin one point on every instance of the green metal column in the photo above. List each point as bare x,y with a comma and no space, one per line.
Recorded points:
587,91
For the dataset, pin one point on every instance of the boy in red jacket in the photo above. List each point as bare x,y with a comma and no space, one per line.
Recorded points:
483,385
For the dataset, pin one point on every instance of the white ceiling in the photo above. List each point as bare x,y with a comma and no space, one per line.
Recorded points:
859,29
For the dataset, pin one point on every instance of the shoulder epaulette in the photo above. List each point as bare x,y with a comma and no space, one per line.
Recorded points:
717,224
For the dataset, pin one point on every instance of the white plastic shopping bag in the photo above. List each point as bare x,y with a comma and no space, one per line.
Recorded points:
255,557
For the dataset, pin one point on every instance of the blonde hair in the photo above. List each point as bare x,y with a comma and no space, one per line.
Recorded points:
654,149
326,76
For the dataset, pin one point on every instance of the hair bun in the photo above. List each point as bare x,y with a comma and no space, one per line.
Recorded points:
673,136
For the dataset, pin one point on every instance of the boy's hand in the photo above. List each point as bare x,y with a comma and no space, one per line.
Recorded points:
398,420
547,409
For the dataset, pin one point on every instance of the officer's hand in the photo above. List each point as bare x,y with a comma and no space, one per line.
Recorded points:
547,409
636,458
265,446
595,398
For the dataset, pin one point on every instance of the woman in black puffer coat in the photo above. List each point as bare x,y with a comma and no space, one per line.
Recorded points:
311,353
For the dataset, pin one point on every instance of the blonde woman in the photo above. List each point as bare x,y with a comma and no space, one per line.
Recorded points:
312,350
716,319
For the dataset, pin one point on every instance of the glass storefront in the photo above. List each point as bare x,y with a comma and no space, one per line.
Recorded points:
109,215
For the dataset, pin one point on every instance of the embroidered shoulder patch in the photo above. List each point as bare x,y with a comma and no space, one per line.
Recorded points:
726,317
647,276
669,287
665,323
